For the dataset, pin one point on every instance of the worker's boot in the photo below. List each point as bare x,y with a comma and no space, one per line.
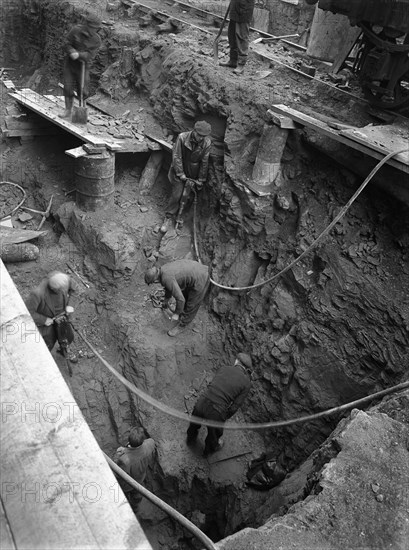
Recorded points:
239,69
69,102
175,331
166,225
231,63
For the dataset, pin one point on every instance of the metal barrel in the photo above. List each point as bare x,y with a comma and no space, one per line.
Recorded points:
94,181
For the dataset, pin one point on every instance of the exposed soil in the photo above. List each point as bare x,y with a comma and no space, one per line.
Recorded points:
335,328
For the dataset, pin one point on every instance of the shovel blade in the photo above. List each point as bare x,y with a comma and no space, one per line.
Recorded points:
79,115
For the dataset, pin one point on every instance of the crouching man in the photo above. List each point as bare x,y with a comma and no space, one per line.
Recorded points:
221,400
185,280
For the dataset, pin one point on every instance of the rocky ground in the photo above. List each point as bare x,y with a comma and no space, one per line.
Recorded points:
334,329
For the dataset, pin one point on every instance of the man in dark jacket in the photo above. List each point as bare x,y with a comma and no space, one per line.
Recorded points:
134,459
240,15
190,161
47,301
188,282
221,400
81,46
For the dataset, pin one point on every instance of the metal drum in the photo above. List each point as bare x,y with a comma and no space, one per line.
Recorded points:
94,181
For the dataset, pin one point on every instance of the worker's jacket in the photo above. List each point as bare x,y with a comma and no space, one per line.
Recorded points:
43,303
228,389
241,11
83,40
135,461
189,158
181,278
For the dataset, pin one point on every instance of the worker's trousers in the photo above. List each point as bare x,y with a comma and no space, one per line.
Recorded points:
238,34
205,409
72,78
179,190
194,297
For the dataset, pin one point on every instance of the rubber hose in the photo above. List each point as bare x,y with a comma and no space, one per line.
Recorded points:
341,213
204,539
233,425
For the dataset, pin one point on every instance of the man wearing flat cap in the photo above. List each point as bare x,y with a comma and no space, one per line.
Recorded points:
221,400
190,161
81,46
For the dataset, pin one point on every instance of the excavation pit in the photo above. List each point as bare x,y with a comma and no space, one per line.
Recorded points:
331,330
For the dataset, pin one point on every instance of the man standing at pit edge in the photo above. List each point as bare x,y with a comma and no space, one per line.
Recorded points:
221,400
134,459
188,282
190,161
81,46
240,15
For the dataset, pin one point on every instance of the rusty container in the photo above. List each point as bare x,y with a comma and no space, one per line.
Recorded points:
94,181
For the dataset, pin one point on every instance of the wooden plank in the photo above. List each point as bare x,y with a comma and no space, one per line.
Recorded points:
283,121
11,235
165,144
45,107
90,102
56,485
76,153
52,130
384,138
325,129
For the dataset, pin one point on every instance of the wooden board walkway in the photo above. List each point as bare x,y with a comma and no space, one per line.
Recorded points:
101,128
375,141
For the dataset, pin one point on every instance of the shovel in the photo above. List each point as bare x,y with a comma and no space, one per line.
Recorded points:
79,114
216,41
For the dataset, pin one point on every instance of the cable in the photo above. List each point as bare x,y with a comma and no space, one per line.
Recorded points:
194,227
20,203
233,425
341,213
204,539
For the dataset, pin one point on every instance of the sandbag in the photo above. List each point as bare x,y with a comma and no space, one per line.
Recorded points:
22,252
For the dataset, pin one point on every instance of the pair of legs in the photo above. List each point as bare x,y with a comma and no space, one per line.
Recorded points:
72,83
180,194
238,35
194,297
205,409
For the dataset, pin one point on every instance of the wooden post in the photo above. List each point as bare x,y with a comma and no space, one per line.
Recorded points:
150,172
329,33
270,150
